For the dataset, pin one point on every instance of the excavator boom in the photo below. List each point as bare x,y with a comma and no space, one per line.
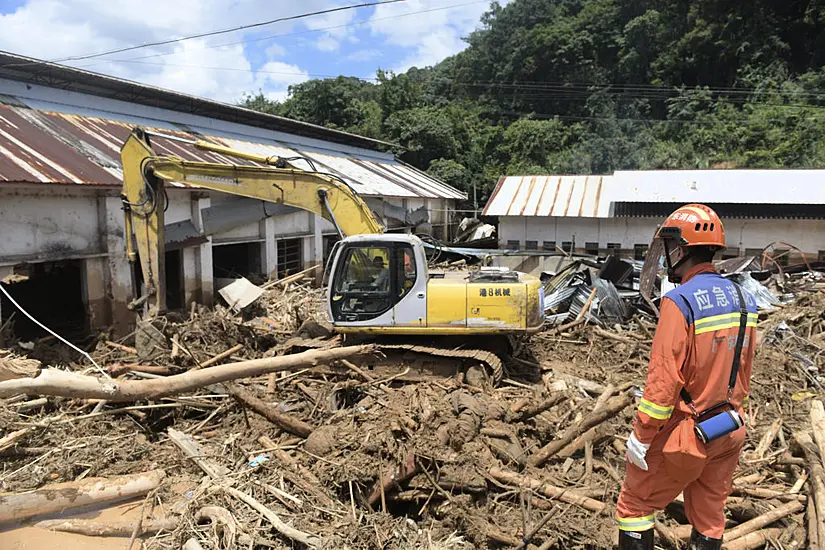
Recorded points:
144,173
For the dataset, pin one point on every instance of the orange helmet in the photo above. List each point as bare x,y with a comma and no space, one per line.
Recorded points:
694,225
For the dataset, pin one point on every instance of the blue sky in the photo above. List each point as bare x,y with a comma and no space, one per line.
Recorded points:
270,58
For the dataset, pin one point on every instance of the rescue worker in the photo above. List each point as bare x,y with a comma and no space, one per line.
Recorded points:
691,359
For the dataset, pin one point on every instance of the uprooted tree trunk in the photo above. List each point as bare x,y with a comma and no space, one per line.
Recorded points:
64,496
68,384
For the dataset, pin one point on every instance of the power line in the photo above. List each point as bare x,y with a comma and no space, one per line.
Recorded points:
653,120
224,31
552,92
283,35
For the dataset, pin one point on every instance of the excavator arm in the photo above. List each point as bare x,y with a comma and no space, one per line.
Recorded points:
145,201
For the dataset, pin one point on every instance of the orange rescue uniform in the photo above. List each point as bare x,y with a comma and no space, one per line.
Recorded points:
693,348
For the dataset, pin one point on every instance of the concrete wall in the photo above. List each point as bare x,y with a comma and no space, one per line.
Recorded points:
742,234
71,222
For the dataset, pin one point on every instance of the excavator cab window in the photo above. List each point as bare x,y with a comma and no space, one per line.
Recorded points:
370,280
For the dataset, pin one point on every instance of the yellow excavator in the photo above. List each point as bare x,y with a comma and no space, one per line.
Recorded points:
378,283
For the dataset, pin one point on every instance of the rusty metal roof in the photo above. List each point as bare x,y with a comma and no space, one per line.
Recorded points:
572,196
48,146
70,79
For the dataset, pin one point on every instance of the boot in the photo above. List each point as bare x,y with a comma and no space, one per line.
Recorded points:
698,541
636,540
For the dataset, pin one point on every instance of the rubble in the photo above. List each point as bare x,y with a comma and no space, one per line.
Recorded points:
368,448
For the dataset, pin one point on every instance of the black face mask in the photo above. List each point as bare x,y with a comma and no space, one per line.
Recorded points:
671,268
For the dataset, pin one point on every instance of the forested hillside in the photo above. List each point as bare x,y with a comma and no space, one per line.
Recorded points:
593,86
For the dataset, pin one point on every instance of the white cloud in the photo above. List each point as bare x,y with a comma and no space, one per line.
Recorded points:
275,50
429,36
327,44
81,27
364,55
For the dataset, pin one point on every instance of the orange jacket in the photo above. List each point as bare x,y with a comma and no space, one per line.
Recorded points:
693,348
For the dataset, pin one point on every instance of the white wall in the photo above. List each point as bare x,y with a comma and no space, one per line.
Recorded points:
37,222
742,234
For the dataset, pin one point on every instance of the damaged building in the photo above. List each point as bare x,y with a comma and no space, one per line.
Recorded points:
62,255
618,214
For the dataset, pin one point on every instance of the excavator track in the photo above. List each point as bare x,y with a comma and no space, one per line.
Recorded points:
490,359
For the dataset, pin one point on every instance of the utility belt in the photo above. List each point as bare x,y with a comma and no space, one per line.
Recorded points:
722,418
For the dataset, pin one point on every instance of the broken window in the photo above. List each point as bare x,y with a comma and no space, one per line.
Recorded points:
614,246
549,245
236,260
591,248
639,251
513,245
52,292
290,257
531,245
567,246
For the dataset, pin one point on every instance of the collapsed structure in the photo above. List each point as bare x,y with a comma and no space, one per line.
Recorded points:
61,217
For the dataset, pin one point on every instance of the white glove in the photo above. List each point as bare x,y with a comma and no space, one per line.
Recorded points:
636,451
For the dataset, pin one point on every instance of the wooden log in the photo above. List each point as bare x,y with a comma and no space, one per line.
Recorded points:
611,409
33,404
18,367
357,370
287,423
313,541
65,496
812,528
539,408
818,425
219,357
589,386
67,384
117,370
764,520
193,450
767,440
764,492
95,528
670,536
586,308
292,278
816,480
121,347
11,439
593,433
753,540
565,495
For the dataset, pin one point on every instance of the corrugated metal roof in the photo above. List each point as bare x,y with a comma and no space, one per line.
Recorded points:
71,79
42,146
572,196
720,186
606,196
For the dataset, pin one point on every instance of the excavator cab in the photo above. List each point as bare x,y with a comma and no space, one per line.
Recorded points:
371,279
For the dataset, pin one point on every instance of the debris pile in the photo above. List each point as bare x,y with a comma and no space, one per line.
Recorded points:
258,428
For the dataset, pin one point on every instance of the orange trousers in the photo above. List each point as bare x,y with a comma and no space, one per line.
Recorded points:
645,492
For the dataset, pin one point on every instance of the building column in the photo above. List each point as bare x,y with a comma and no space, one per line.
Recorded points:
269,248
93,280
116,269
203,254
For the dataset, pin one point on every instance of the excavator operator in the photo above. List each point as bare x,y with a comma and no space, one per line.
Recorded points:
688,431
